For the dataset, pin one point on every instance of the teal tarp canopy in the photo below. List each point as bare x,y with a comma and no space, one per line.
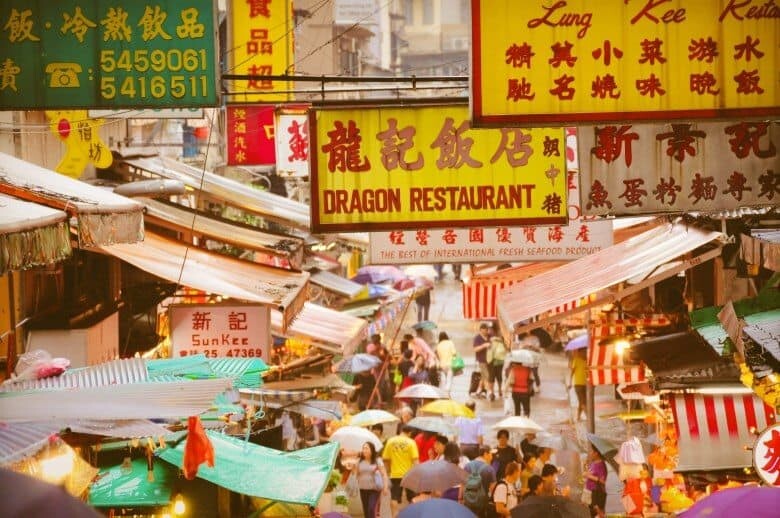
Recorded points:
114,488
298,477
245,371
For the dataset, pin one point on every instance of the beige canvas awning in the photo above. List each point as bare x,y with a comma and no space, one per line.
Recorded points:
326,328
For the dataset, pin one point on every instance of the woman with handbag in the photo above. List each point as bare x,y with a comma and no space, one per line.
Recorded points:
595,492
372,479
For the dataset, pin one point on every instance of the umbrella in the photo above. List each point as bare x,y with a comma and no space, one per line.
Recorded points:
420,270
376,274
434,475
605,447
438,507
23,495
421,391
447,407
753,501
360,362
518,423
524,356
580,342
371,417
550,507
404,284
427,325
432,424
353,438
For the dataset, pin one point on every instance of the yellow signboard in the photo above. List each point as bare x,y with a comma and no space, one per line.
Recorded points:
83,144
417,168
541,62
261,44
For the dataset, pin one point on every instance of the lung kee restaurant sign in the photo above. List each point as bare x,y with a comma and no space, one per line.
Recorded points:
641,169
555,62
410,168
217,331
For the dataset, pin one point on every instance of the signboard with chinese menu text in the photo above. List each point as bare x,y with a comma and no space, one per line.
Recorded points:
105,54
679,167
260,43
411,168
292,143
250,135
538,63
218,331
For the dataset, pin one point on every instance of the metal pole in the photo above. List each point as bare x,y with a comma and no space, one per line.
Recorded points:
589,388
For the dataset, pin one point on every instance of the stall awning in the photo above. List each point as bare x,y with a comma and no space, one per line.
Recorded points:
117,487
31,235
103,217
594,279
176,262
713,430
266,204
298,477
20,440
324,327
336,283
189,221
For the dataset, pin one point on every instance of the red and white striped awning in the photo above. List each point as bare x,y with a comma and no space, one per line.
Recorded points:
606,365
714,429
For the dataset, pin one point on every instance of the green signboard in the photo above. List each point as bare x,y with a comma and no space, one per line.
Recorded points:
60,54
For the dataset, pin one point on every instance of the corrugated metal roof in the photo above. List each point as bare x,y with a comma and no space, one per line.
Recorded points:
336,283
323,326
273,397
764,329
20,440
245,371
123,429
117,372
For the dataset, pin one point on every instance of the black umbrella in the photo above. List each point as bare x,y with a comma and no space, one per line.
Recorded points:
24,496
550,507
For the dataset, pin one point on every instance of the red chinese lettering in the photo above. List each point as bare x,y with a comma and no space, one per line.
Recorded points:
552,203
748,49
583,234
530,234
395,144
454,148
562,54
773,454
421,236
607,50
664,189
519,89
397,237
610,142
562,89
260,84
571,178
651,52
650,86
237,321
703,83
680,139
259,42
555,234
703,187
259,8
737,185
476,235
518,152
770,184
517,56
344,149
299,142
551,146
633,193
748,82
746,139
703,50
449,236
604,87
503,235
598,196
201,320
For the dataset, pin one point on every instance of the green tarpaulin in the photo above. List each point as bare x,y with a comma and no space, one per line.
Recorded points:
115,488
297,477
246,371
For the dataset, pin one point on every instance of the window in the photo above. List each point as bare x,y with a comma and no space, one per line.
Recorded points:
427,12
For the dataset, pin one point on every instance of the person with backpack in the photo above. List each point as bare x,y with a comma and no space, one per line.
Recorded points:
480,481
504,498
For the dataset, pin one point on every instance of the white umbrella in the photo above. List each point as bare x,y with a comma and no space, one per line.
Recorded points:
434,424
353,438
519,424
422,391
372,417
525,356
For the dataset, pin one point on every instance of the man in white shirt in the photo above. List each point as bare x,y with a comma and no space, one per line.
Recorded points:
470,434
504,493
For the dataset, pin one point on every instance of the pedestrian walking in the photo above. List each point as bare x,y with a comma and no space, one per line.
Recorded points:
496,356
518,381
480,345
400,453
445,351
372,479
595,490
504,497
505,453
423,302
579,379
470,433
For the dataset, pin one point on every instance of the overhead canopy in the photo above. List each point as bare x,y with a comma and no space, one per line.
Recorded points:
336,283
595,279
176,262
189,221
31,234
116,487
103,217
266,204
245,372
20,440
298,477
324,327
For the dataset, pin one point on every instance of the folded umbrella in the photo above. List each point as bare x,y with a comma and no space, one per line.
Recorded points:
360,362
353,438
372,417
433,424
421,391
436,507
434,475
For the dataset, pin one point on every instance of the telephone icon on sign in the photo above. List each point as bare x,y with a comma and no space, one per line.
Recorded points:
63,75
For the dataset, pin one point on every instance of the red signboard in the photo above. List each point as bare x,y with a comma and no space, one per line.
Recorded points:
250,135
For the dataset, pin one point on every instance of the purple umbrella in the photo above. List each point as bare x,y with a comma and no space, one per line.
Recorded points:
376,274
580,342
438,507
753,501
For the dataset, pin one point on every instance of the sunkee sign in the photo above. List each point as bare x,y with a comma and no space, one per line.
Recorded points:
218,331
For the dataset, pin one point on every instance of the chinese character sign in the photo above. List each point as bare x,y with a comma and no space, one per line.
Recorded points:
292,144
551,63
260,44
217,331
83,145
100,54
250,135
766,455
636,169
411,168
